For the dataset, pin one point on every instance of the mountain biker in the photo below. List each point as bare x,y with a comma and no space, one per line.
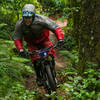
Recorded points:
34,29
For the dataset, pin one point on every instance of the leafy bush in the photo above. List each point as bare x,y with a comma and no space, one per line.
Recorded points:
6,24
84,87
12,74
69,42
71,57
11,11
53,6
76,87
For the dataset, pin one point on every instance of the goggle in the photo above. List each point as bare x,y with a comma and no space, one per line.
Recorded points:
28,13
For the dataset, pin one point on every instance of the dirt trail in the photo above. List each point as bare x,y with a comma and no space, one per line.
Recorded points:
59,60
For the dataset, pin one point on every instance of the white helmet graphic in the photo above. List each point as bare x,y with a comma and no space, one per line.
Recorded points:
28,10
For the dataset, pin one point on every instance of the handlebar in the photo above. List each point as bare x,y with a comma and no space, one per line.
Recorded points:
34,52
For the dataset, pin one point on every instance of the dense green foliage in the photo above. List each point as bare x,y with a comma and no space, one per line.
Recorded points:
77,87
12,73
14,69
11,12
54,6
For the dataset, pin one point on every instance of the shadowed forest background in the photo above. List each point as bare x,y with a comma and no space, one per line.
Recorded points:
80,78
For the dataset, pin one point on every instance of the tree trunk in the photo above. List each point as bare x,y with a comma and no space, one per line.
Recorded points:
75,18
87,31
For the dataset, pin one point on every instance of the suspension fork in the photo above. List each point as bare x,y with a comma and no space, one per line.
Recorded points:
42,69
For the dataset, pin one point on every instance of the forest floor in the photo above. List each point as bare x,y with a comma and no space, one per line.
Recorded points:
59,60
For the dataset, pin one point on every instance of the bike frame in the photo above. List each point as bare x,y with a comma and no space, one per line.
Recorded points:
45,60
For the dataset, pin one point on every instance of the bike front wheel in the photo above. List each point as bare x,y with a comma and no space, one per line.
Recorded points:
50,78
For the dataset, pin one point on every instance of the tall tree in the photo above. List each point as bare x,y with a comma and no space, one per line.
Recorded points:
87,28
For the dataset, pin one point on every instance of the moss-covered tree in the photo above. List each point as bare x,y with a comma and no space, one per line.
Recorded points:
87,32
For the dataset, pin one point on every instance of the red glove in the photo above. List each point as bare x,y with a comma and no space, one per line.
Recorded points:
59,34
18,44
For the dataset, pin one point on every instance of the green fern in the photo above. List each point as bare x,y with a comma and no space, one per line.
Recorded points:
2,25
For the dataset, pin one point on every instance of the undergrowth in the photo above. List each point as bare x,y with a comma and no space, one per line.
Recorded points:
12,74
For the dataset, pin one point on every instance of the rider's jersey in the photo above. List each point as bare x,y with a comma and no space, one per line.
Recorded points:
35,30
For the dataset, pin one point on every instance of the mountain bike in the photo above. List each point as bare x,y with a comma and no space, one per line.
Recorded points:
47,72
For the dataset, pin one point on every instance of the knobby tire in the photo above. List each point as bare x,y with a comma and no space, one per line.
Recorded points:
51,79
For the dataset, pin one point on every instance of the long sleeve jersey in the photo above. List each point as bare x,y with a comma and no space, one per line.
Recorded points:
36,30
